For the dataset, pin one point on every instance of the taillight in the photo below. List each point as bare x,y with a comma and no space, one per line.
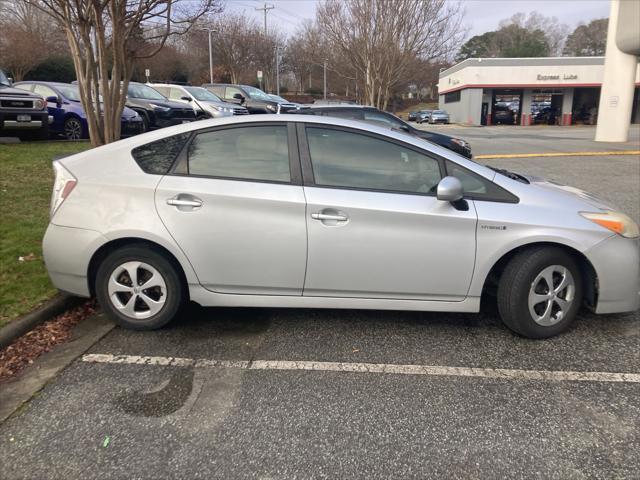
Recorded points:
63,185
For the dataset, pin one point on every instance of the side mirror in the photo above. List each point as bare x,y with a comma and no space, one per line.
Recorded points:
450,190
53,99
10,80
188,99
239,96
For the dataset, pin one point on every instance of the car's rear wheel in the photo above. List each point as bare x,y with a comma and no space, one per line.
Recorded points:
540,292
139,288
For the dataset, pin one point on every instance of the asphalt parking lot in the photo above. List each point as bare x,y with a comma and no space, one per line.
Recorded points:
283,394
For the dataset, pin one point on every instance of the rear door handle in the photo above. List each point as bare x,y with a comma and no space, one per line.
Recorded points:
326,216
181,202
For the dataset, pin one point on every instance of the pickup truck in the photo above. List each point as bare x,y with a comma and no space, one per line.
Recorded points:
22,112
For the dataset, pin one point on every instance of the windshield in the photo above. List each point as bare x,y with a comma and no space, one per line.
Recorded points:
142,91
256,93
3,79
202,94
440,112
70,92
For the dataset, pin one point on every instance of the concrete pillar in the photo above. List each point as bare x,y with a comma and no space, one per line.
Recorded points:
525,107
567,105
616,96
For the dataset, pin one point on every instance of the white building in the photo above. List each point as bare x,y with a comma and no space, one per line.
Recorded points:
566,90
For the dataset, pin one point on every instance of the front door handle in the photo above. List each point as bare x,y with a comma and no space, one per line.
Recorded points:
182,202
326,216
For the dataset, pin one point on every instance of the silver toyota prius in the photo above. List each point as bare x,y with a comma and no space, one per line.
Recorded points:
319,212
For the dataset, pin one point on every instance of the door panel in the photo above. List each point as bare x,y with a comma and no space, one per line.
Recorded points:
246,237
391,246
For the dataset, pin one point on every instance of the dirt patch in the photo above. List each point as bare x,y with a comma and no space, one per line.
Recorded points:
22,352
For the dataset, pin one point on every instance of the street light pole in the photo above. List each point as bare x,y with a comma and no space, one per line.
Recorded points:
325,80
278,71
210,30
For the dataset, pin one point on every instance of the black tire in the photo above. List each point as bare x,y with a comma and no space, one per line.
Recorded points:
73,129
174,297
517,281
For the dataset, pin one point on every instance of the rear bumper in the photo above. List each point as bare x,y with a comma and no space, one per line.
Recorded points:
616,261
67,253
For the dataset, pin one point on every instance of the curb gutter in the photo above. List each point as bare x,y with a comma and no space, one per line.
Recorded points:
16,328
18,391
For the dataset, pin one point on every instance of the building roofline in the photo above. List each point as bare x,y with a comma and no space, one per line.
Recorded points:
521,61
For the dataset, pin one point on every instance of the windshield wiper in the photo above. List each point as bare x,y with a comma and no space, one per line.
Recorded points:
509,174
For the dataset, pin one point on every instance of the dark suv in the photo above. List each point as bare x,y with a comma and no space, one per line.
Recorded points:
373,115
254,99
22,111
156,110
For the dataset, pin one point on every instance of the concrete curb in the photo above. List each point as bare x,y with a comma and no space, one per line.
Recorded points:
18,391
57,305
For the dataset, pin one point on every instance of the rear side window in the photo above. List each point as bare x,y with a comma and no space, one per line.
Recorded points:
248,153
158,157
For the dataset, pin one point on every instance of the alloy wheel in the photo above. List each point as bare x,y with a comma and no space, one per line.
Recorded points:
73,129
137,290
551,295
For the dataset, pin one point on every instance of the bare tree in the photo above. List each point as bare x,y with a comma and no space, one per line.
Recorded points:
554,31
106,37
380,38
27,37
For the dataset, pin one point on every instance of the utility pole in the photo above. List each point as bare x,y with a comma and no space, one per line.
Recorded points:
265,9
210,30
325,79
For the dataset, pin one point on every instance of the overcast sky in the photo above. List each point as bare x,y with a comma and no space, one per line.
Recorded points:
481,15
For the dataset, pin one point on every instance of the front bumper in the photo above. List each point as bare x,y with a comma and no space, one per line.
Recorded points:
67,253
616,261
9,119
129,128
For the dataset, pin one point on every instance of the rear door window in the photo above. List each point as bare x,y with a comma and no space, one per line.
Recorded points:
245,153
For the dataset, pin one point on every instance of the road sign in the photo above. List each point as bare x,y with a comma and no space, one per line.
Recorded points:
147,72
259,74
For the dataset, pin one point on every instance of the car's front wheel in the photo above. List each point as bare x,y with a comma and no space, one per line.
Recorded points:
139,288
540,292
73,129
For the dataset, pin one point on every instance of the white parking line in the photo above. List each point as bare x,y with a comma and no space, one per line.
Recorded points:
501,373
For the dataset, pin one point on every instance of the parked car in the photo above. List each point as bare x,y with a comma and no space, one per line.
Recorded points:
502,114
254,99
546,116
423,116
156,110
320,212
22,112
204,103
438,116
412,116
285,105
373,115
69,117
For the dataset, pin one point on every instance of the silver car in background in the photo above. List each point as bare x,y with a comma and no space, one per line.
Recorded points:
438,116
205,103
321,212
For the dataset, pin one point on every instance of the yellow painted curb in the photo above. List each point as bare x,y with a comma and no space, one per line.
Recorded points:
558,154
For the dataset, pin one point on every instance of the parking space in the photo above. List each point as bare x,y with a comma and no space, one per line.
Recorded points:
276,393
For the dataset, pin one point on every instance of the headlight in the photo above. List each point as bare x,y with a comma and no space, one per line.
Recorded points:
222,109
615,221
460,142
39,104
159,108
271,107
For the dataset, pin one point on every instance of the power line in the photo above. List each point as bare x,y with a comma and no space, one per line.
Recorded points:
265,9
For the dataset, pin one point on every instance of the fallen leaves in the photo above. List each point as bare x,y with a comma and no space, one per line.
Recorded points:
23,351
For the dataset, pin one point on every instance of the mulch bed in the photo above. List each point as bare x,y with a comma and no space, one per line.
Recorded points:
22,352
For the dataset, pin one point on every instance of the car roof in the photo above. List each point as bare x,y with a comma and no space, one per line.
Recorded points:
341,106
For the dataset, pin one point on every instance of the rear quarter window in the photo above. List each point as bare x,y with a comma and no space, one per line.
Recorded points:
158,157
